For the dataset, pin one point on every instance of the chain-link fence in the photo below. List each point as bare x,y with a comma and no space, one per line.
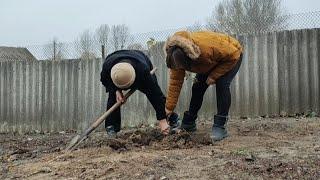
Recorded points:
304,21
88,47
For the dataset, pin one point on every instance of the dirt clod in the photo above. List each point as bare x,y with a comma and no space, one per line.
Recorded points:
250,158
117,144
164,178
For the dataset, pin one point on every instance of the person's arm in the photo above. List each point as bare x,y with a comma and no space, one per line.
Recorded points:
221,69
155,96
106,81
175,85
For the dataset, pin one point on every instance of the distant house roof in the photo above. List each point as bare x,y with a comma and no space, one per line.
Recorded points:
15,54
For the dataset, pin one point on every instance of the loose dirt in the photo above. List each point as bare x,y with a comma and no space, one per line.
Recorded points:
261,148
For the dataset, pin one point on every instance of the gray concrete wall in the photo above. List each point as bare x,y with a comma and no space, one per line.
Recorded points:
280,72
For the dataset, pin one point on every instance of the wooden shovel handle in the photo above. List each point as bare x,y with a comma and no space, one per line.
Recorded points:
115,106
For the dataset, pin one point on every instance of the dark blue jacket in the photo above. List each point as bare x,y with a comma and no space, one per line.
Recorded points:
140,62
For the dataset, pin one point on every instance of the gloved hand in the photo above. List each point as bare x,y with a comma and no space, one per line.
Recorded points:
210,81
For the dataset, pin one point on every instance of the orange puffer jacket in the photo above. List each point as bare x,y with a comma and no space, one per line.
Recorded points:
213,53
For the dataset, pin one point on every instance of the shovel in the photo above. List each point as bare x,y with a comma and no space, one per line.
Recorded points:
79,138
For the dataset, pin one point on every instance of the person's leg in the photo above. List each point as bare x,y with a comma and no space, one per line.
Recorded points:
114,119
223,91
199,88
223,96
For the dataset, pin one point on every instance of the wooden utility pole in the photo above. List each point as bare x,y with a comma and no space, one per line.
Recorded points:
103,52
54,49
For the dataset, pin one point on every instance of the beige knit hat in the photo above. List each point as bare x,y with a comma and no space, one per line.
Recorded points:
123,75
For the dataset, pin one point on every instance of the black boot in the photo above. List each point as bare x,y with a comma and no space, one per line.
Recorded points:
189,122
219,131
173,120
111,133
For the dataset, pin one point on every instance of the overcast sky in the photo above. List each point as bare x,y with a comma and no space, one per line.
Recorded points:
30,22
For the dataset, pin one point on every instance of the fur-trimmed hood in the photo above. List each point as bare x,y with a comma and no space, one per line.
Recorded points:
185,43
213,53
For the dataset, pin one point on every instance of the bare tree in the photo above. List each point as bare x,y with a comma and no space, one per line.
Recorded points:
195,27
248,16
85,45
54,50
119,36
102,37
136,46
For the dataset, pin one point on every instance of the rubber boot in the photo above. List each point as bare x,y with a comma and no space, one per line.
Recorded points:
219,130
189,122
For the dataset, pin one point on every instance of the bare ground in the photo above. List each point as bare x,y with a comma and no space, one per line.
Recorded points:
262,148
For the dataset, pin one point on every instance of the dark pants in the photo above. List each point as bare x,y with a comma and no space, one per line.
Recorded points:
223,94
154,94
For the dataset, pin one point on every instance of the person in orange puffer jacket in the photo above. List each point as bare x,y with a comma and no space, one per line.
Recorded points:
216,58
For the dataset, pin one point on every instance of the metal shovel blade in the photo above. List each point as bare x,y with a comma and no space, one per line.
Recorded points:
73,142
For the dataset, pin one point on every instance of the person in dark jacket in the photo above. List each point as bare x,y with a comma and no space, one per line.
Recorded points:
130,69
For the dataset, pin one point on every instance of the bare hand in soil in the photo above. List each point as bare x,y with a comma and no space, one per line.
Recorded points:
164,127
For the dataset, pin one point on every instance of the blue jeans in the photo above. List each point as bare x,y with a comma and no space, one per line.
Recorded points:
223,94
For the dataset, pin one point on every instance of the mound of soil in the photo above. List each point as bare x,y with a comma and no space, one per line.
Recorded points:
280,148
149,138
